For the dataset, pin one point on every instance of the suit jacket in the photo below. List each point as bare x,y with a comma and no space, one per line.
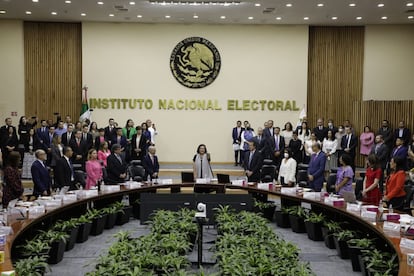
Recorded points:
123,141
401,152
36,144
41,178
142,145
55,155
406,135
149,166
381,153
4,134
109,135
271,147
81,149
88,141
42,135
65,140
321,133
316,169
255,165
352,145
388,136
98,142
267,133
47,142
235,136
63,173
115,168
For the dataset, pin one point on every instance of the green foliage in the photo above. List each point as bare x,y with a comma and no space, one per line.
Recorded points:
380,263
315,218
32,266
298,211
361,243
332,226
65,225
35,247
345,235
263,205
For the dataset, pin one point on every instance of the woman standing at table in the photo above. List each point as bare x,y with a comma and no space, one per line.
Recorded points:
287,170
395,193
93,169
329,147
201,163
367,140
370,192
344,175
103,153
12,184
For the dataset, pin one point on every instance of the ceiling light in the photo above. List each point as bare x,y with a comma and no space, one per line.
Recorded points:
411,17
278,18
111,15
380,5
222,17
68,1
352,4
195,16
358,18
257,5
195,3
100,3
53,13
384,18
35,1
250,17
168,16
132,3
28,12
306,18
83,14
2,12
334,17
320,5
139,16
288,5
409,4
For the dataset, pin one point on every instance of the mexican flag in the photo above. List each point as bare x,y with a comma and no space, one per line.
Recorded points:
85,111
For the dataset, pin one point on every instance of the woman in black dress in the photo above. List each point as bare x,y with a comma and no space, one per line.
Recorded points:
296,147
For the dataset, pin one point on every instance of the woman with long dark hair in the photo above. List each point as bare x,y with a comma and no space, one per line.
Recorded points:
10,144
395,193
201,163
370,192
12,184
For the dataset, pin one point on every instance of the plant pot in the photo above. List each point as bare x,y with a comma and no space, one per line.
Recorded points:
362,265
341,248
57,249
354,253
328,238
73,234
110,221
123,217
282,219
314,230
84,231
98,225
297,224
269,212
136,209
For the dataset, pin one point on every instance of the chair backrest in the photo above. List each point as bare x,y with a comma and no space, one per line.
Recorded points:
136,163
409,192
104,174
136,171
302,176
330,183
267,162
80,177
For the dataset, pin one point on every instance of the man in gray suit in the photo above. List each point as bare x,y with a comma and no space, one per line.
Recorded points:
380,150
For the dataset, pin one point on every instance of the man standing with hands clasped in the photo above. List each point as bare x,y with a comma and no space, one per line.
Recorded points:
316,168
40,175
253,162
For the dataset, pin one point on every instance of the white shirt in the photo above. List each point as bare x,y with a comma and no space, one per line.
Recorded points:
308,147
288,136
153,133
329,146
287,170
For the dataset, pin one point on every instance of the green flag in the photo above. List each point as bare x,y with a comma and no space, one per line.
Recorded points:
85,111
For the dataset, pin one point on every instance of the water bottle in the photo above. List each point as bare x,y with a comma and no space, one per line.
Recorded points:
380,211
390,209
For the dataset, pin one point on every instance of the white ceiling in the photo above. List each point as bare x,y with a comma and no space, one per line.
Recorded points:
395,11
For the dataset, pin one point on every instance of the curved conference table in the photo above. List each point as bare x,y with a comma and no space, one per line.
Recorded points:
27,227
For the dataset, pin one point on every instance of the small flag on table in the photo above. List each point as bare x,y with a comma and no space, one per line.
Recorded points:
85,111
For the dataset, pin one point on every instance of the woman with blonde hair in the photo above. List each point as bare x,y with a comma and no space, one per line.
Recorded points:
93,169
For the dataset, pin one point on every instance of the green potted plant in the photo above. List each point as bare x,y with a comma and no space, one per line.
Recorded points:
313,223
377,262
124,213
112,213
71,227
355,247
328,230
341,238
32,266
297,216
98,219
57,242
85,225
34,247
266,208
282,217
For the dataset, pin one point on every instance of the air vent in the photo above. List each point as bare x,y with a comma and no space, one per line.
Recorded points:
121,8
409,11
268,10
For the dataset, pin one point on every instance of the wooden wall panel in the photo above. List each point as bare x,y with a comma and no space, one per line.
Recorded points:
53,68
335,78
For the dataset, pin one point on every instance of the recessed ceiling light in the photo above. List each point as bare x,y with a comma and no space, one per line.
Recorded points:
35,1
195,16
83,14
358,17
168,16
288,5
411,17
111,15
380,5
278,18
132,3
2,12
257,5
409,4
250,17
384,18
306,18
222,17
100,3
68,1
53,13
28,12
320,5
334,17
352,5
139,16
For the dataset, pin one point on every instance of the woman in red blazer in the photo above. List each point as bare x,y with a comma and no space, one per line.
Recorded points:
395,193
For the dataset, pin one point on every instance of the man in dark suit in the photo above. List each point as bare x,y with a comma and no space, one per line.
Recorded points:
119,139
42,132
138,145
331,127
80,149
87,137
403,133
400,151
349,144
110,130
380,150
386,132
48,138
4,131
275,147
236,135
320,131
68,135
261,140
253,162
116,166
64,173
316,168
42,182
268,131
150,163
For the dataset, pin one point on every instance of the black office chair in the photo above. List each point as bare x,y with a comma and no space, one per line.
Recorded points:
303,167
137,173
268,173
302,176
79,178
268,162
409,193
330,183
359,186
104,175
334,170
136,163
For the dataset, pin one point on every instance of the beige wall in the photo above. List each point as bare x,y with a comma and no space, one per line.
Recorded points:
11,69
388,65
258,62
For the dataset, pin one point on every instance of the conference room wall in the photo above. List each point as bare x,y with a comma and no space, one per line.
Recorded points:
388,64
11,69
258,63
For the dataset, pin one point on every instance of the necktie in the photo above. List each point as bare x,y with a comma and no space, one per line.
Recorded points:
320,128
250,158
395,151
77,142
349,141
201,167
152,159
277,142
69,134
71,170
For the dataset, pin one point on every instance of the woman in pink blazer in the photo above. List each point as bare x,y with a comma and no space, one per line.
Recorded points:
93,169
103,153
367,139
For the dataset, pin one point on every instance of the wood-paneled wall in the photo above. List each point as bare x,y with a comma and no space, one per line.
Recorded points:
53,69
335,78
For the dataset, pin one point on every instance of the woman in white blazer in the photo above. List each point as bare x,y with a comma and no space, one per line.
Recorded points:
287,171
